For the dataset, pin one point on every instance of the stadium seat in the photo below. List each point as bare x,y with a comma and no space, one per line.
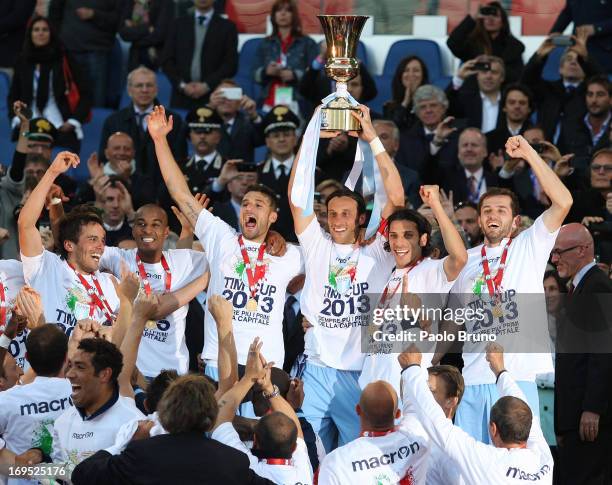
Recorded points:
427,50
551,68
6,146
244,77
116,80
92,132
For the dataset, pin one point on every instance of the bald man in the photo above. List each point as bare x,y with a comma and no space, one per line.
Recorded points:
382,453
178,274
583,371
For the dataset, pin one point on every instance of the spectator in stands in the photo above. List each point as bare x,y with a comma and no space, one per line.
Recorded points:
142,89
229,210
118,212
517,105
280,125
475,92
389,135
562,102
187,411
586,136
583,368
469,179
593,19
145,23
40,81
283,57
200,51
242,131
87,30
411,73
488,33
466,215
433,135
119,153
15,15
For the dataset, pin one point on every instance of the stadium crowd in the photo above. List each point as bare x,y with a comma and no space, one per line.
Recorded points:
189,312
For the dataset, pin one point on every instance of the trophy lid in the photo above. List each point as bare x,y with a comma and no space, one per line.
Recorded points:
342,33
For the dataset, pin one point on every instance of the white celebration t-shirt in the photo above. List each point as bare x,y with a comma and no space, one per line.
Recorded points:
163,342
11,276
337,295
228,278
522,329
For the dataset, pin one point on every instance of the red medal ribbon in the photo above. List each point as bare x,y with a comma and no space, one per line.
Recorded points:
383,298
276,461
259,271
143,275
376,434
494,284
97,295
2,305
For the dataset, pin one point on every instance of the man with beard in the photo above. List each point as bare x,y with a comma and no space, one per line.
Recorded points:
72,286
466,215
241,271
177,271
409,242
495,281
335,299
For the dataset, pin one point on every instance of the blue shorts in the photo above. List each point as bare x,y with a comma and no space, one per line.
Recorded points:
246,409
330,397
475,407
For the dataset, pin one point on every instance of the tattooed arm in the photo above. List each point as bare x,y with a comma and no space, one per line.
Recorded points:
159,126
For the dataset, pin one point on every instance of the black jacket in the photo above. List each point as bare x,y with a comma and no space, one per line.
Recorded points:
553,103
161,15
582,372
22,87
186,458
125,120
508,47
241,141
14,15
97,34
226,212
454,179
219,55
284,223
466,103
496,139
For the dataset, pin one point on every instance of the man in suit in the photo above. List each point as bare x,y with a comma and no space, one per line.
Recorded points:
237,186
561,101
475,92
186,411
594,19
142,89
469,179
583,369
517,105
242,131
280,124
586,136
432,136
200,51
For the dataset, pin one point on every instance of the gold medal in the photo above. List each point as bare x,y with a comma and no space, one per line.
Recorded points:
151,324
497,311
251,305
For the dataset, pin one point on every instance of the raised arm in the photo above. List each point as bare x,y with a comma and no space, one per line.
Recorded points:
457,254
300,221
560,197
159,126
388,171
127,291
30,242
227,358
171,302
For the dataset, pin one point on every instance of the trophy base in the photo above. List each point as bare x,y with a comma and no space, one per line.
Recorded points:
339,119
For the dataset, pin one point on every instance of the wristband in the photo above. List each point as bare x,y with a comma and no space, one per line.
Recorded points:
5,341
275,392
500,373
377,146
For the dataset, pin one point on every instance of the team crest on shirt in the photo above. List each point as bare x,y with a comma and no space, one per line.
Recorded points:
382,479
240,269
341,277
42,437
77,300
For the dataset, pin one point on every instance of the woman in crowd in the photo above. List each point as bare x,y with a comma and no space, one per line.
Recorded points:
410,74
283,57
42,78
488,34
145,23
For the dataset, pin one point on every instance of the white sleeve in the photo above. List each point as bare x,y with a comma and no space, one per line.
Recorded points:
57,452
539,239
301,460
210,230
2,444
111,260
4,406
471,456
227,434
508,387
310,239
36,266
327,475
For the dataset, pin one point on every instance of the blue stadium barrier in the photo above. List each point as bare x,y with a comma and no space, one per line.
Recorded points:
244,76
92,133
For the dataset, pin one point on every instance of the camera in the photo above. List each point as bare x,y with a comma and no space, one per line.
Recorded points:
485,10
482,66
563,41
